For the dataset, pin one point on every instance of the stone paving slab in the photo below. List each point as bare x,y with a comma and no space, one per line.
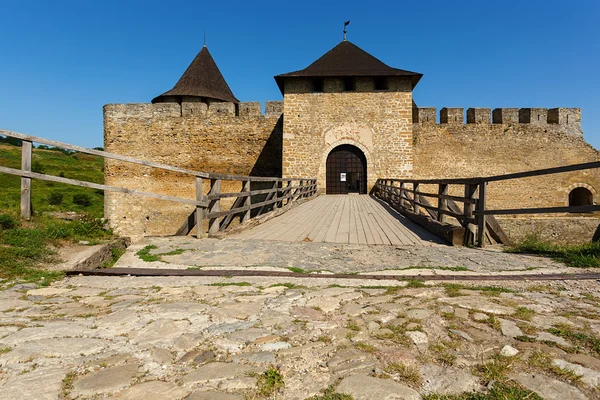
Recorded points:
196,338
207,254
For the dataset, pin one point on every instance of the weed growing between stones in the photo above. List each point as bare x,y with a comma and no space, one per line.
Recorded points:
543,361
366,347
441,351
405,373
297,270
524,313
580,339
270,382
144,254
499,391
494,370
230,284
4,350
331,394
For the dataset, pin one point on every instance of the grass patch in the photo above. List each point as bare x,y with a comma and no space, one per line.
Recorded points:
4,350
583,255
115,254
494,370
26,245
415,283
579,338
407,374
331,394
270,382
288,285
366,347
524,313
441,351
145,255
297,270
353,326
453,289
543,361
499,391
230,284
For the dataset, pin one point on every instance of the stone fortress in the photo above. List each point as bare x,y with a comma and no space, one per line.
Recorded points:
347,119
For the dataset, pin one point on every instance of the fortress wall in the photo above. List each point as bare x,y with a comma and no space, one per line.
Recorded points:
377,122
219,137
483,147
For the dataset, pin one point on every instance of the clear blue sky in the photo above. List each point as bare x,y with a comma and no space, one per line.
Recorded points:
61,61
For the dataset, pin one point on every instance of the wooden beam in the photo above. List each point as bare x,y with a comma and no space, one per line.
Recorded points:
199,210
247,201
101,153
74,182
480,206
214,206
26,148
442,202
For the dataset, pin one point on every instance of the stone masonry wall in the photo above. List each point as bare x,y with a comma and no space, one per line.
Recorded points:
454,149
377,122
193,136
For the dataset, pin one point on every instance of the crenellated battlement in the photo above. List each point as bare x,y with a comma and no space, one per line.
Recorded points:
533,116
273,109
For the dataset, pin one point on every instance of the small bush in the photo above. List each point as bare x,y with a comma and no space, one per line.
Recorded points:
38,167
82,199
8,221
55,198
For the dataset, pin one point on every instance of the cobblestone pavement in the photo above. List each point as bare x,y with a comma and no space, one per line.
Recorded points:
219,338
189,253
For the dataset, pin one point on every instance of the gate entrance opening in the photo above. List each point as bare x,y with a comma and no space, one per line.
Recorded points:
346,171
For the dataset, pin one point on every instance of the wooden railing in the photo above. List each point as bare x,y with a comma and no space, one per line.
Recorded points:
407,195
280,193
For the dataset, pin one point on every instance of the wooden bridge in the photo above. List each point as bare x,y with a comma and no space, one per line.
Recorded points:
398,213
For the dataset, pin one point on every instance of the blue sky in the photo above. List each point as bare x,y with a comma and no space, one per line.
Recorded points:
61,61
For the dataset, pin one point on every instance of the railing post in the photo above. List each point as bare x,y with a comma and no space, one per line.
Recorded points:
416,206
214,206
26,147
402,200
468,208
247,201
481,218
199,210
442,203
275,204
288,192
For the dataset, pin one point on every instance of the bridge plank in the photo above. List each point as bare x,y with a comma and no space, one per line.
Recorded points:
317,233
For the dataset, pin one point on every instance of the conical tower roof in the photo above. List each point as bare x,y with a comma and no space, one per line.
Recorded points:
345,60
201,79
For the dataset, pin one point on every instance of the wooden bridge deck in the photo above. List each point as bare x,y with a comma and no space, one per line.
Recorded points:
353,219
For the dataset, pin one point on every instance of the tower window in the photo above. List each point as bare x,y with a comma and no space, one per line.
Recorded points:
318,85
381,83
349,85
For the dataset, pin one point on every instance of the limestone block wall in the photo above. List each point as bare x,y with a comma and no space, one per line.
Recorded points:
503,145
219,137
377,122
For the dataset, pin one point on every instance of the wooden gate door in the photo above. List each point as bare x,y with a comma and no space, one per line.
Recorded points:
346,171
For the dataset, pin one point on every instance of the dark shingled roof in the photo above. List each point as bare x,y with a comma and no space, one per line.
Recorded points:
344,60
201,79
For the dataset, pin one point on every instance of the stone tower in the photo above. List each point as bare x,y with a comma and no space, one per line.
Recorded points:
347,120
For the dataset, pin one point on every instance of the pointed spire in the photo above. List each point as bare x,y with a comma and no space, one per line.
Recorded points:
201,79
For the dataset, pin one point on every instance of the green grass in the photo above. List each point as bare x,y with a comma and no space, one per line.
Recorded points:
331,394
406,373
270,382
79,166
583,255
230,284
297,270
581,339
288,285
454,289
366,347
26,245
500,391
144,254
524,313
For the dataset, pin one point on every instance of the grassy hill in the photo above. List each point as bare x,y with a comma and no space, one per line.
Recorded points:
50,196
27,245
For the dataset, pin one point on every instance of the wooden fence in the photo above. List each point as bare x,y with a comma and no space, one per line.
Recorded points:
248,203
406,196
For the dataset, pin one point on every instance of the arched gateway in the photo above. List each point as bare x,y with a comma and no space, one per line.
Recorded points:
346,170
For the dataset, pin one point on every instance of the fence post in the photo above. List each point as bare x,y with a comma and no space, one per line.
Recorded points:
26,147
442,203
402,200
199,210
214,206
276,186
481,218
416,206
468,214
247,201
